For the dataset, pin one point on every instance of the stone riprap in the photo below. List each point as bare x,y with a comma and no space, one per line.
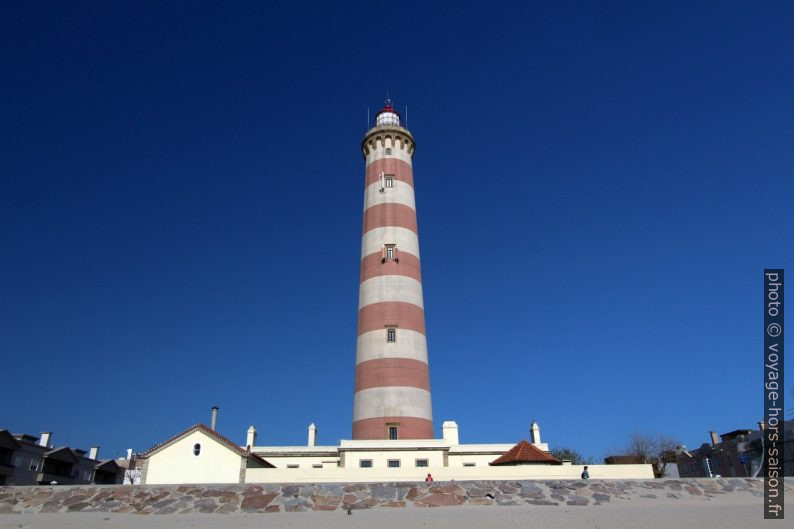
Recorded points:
169,499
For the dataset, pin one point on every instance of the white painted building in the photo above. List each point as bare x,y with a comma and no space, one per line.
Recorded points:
201,455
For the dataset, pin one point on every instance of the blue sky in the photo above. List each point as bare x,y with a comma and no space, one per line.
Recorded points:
599,188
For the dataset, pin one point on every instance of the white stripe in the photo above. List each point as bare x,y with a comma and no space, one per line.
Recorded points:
405,239
390,288
409,344
392,401
401,193
396,152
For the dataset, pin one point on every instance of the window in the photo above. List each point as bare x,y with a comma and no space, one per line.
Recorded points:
389,181
365,463
293,466
469,464
34,465
391,334
389,253
317,465
393,433
421,462
388,150
393,463
196,449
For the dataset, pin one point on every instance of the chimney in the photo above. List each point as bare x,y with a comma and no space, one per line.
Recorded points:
129,454
761,425
715,439
534,433
93,453
214,420
250,438
45,439
312,435
449,432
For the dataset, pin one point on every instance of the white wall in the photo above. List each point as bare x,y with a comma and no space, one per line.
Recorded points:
379,474
216,463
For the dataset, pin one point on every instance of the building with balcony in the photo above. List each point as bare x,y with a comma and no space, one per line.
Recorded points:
30,460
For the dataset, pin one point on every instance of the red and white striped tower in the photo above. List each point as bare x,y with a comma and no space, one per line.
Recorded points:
392,399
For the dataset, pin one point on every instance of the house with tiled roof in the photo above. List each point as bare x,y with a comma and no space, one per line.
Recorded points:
525,453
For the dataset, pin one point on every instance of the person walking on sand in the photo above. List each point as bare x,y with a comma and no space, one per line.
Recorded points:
585,473
429,479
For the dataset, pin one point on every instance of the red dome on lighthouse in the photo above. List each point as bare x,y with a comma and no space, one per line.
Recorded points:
387,115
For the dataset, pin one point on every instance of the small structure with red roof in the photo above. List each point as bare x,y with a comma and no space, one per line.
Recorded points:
525,453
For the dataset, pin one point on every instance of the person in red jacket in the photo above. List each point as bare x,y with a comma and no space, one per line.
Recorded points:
429,479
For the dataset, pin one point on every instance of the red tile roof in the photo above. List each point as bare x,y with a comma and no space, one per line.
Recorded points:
524,453
212,433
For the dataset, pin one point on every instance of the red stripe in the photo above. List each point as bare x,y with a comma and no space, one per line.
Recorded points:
391,313
386,372
407,428
389,214
401,170
407,264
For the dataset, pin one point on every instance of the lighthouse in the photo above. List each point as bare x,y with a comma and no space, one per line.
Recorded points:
392,390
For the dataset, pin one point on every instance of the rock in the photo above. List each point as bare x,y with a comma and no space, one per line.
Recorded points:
474,492
162,503
291,490
384,492
393,504
226,508
414,493
446,489
532,491
349,499
577,500
693,490
296,505
326,503
480,501
508,488
438,499
600,498
541,502
254,503
365,504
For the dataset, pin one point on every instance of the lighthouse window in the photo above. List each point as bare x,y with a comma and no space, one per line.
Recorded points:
388,151
365,463
391,335
393,434
196,449
389,253
389,181
393,463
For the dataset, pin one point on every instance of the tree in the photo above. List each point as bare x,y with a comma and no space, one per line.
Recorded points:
657,450
568,453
